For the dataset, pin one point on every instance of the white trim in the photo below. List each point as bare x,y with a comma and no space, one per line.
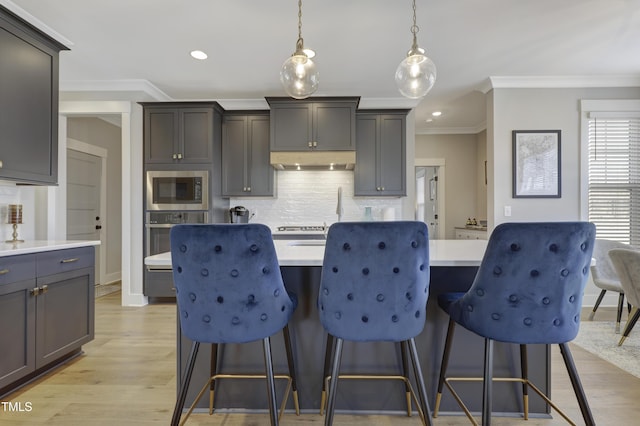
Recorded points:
441,164
453,130
97,151
131,85
132,260
558,82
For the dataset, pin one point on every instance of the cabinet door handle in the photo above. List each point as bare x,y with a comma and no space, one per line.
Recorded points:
315,144
179,156
4,271
34,291
0,164
44,289
248,189
310,144
70,260
174,156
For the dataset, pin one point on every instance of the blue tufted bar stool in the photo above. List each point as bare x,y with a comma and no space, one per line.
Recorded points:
528,290
374,287
229,289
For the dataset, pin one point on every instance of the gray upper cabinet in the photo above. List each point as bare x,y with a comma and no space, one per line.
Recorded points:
29,102
178,133
322,124
246,171
380,168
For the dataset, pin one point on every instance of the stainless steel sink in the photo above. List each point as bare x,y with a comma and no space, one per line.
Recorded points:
307,243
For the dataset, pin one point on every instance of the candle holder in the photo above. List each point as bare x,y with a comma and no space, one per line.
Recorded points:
14,218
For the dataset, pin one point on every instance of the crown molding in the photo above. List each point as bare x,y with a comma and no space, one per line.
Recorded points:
388,103
453,130
552,82
243,104
140,85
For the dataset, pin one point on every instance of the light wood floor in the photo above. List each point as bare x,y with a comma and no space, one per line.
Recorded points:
127,377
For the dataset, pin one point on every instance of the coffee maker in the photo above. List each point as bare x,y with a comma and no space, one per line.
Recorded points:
239,214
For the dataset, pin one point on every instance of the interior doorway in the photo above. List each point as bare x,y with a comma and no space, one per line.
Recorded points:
430,195
86,198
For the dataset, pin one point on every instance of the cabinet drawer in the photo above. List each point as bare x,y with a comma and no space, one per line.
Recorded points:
55,262
17,268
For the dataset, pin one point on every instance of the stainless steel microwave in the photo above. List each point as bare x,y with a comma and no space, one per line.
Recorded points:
177,190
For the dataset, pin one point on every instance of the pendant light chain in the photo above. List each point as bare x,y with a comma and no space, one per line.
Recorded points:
414,28
300,42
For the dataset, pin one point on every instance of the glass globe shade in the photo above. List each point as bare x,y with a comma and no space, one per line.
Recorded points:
299,76
415,76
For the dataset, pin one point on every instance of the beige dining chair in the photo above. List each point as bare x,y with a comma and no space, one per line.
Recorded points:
604,275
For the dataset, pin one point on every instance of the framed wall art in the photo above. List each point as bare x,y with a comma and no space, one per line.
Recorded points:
536,164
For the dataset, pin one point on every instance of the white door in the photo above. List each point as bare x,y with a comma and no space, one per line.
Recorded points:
84,174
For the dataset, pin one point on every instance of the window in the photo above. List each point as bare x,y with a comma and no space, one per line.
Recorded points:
614,177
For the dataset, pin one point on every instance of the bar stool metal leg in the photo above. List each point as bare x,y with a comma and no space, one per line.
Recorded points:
524,368
271,387
292,369
213,369
405,373
327,370
577,385
333,385
184,387
488,382
444,364
422,390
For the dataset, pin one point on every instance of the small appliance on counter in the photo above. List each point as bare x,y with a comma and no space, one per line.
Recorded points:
239,214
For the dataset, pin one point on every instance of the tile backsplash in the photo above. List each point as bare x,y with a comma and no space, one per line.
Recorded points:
310,198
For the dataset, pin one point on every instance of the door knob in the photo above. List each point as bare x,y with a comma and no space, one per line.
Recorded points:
98,226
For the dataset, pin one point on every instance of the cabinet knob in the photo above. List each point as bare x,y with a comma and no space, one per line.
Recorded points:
34,291
0,164
315,144
4,271
179,156
44,289
310,144
248,189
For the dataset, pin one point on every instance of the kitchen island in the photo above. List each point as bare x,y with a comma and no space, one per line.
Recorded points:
453,267
46,306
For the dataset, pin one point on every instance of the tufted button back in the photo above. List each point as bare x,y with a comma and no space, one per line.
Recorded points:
375,280
228,283
529,286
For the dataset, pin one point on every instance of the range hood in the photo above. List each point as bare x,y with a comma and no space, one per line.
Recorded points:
313,160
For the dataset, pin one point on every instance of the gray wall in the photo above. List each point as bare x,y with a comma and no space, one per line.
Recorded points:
97,132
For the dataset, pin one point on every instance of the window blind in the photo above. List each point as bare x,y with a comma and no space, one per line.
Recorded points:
614,178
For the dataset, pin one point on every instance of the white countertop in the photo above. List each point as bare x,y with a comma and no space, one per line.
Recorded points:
306,253
37,246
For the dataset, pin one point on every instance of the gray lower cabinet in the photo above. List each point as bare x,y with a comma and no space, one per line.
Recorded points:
179,133
47,306
246,171
380,168
29,102
316,124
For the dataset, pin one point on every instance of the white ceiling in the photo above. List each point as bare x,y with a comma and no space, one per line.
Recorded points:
359,43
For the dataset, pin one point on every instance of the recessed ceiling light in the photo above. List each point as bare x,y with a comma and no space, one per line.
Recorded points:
436,113
198,54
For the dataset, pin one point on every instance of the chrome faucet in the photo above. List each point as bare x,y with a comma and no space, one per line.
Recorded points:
339,209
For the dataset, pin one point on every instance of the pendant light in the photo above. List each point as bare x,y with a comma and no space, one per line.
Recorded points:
298,75
416,74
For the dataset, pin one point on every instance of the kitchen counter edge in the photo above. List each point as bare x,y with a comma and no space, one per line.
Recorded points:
39,246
